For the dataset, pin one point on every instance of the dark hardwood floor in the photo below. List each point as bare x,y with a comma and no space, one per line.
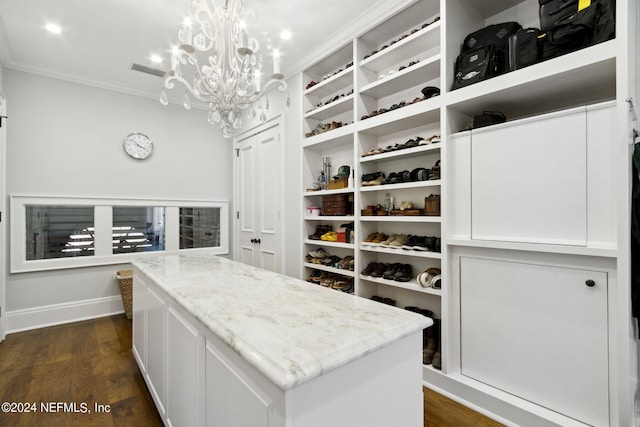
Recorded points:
86,363
90,363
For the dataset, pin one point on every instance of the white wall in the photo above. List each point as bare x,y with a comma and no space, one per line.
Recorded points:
292,172
65,139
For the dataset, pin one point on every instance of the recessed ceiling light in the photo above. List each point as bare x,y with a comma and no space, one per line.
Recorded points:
285,34
156,59
53,28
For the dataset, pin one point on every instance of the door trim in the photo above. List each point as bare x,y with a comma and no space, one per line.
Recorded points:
275,122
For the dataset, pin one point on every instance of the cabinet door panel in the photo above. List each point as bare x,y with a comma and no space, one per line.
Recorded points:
538,332
182,369
231,400
156,332
529,180
140,298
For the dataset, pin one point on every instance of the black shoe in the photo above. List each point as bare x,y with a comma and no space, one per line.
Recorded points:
391,271
404,273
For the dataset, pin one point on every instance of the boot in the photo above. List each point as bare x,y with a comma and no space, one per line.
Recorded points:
320,230
430,346
437,357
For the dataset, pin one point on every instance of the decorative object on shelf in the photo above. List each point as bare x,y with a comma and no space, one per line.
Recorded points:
337,204
313,211
341,180
138,145
230,78
432,205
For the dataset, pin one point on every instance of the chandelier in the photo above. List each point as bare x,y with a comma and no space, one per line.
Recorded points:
221,65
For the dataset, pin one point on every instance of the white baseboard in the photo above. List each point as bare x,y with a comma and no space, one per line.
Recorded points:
57,314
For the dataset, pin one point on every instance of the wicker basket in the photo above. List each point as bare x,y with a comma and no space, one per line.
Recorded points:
125,280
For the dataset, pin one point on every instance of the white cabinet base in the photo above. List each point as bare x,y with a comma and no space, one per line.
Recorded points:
206,383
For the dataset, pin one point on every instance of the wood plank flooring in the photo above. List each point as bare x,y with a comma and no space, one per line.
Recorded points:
90,363
84,363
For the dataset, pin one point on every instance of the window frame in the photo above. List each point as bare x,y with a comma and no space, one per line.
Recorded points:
103,223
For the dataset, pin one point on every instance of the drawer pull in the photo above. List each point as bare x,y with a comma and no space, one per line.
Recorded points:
590,283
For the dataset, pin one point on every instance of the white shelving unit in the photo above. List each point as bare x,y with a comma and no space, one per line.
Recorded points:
603,73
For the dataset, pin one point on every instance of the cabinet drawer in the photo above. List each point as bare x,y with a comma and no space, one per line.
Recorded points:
538,332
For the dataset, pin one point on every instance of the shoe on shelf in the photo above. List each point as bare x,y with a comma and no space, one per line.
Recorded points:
413,240
431,345
404,273
330,236
391,270
369,269
388,241
370,238
402,239
320,230
381,237
437,357
379,270
319,253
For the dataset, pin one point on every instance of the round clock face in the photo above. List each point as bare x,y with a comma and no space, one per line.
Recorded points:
138,145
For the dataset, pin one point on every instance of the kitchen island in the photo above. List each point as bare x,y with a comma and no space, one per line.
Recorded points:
221,343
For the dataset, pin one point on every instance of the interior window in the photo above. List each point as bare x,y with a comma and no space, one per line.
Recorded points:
138,229
199,227
59,231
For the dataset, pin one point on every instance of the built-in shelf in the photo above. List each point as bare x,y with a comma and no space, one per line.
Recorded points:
400,251
411,285
404,185
328,269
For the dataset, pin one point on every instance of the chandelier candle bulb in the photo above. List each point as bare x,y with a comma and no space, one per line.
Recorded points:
187,36
277,74
243,48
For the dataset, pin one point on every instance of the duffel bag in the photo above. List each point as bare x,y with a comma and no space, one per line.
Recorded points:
593,24
597,15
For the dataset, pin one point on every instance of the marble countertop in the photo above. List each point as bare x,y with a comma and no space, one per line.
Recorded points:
290,330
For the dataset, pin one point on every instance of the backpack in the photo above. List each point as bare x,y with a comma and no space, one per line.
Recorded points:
484,54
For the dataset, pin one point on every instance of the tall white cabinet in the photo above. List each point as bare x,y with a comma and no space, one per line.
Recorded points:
535,299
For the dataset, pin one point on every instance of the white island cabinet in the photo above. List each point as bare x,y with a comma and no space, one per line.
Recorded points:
220,343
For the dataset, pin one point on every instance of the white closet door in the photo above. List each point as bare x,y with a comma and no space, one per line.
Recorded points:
247,228
538,332
529,180
259,195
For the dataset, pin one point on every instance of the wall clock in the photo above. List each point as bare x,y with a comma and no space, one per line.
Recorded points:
138,145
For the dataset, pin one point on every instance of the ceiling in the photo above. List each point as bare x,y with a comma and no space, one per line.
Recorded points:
101,39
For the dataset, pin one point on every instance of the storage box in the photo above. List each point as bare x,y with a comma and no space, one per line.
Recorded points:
336,184
337,204
432,205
